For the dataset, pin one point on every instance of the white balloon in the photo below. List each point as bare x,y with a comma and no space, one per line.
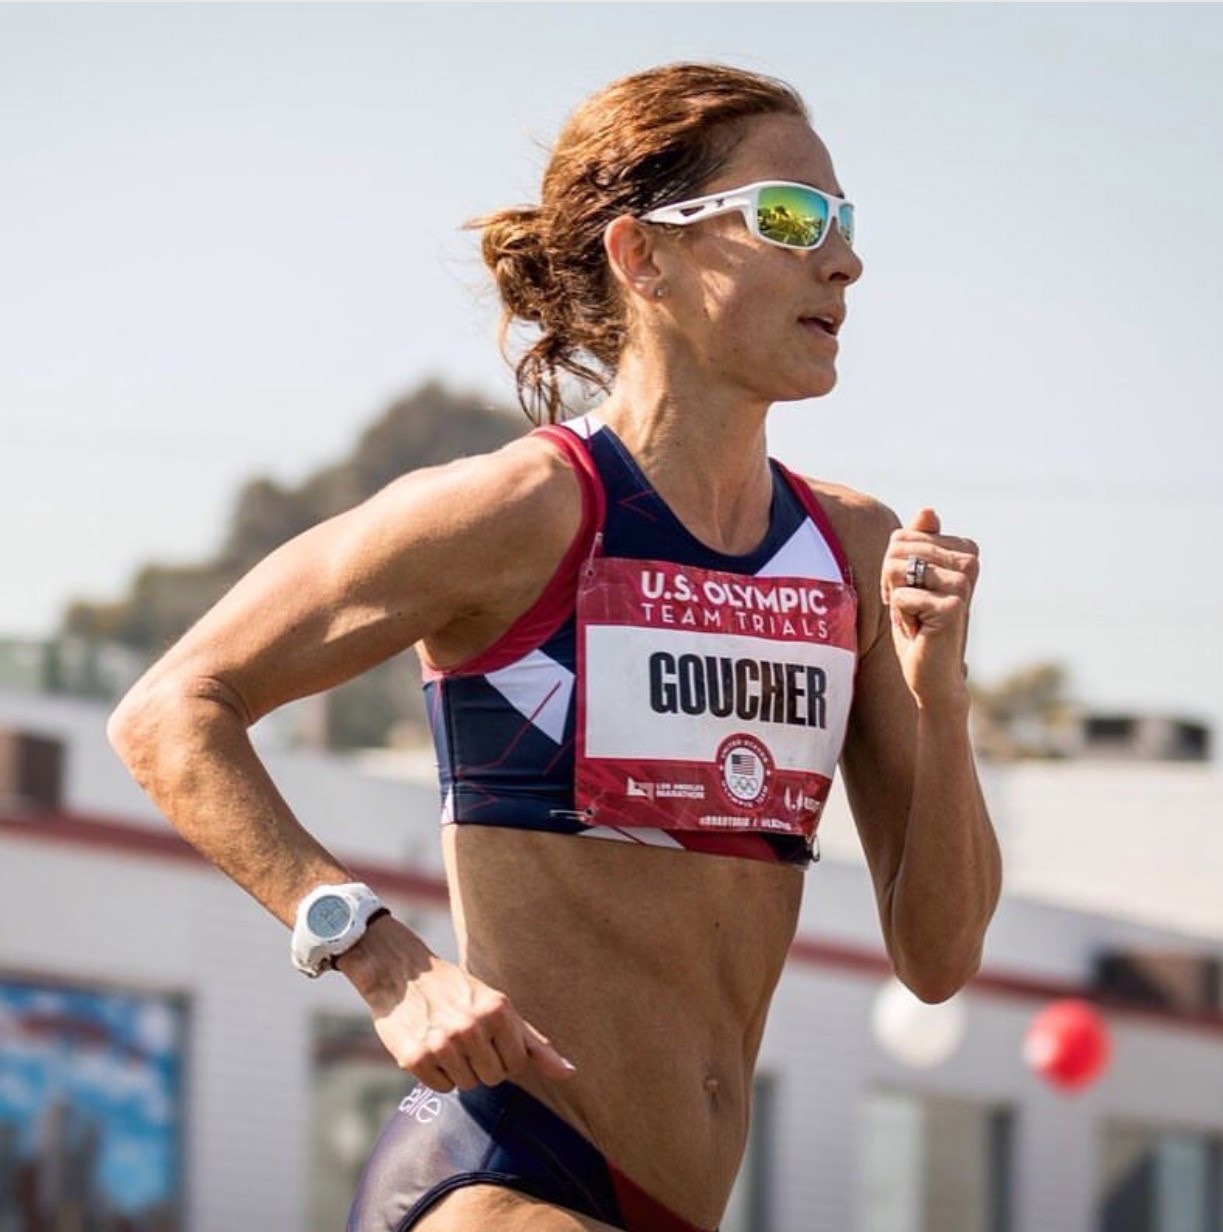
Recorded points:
913,1032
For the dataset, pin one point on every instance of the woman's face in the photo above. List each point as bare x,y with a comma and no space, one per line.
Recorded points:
758,317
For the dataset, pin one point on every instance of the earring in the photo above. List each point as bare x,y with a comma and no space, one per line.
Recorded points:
660,292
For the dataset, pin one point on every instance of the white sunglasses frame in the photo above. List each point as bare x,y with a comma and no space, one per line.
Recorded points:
743,201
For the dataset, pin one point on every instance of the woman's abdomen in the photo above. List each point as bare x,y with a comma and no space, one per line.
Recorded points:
652,970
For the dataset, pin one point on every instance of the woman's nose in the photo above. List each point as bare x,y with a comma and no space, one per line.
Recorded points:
841,263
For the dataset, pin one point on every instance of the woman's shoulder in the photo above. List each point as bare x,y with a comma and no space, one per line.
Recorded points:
525,485
496,522
487,532
862,522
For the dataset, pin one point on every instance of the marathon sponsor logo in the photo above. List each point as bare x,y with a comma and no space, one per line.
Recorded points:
680,791
763,690
740,787
663,791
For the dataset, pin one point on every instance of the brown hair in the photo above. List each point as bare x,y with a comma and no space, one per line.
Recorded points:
641,142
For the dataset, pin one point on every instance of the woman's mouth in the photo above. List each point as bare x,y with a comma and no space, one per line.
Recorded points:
827,325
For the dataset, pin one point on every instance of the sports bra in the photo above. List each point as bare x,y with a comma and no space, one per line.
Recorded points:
659,691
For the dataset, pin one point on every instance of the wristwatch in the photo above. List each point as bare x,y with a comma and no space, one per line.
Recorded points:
331,919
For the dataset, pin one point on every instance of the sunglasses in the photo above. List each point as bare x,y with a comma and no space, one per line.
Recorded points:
776,211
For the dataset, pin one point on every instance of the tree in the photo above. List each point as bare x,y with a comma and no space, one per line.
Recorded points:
425,428
1026,714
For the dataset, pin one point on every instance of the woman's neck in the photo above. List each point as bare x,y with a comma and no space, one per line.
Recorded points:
704,451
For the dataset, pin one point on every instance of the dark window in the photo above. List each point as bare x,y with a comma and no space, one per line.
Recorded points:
1160,1180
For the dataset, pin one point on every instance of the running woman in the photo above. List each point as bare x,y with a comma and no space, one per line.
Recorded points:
646,647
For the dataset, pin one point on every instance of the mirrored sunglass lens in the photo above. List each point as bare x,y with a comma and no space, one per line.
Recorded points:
795,217
845,221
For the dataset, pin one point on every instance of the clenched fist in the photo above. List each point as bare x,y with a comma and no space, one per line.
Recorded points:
927,581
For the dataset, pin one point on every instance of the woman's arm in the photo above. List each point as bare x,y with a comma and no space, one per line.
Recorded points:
908,762
448,556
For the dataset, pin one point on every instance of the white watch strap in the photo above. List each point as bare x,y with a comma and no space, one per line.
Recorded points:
313,954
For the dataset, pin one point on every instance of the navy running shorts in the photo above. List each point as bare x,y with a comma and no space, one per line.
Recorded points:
436,1144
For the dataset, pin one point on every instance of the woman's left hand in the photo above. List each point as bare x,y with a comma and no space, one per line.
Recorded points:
930,611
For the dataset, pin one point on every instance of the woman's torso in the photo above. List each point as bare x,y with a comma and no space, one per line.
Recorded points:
651,967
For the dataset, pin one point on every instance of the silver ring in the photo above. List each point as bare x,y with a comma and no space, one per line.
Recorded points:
915,572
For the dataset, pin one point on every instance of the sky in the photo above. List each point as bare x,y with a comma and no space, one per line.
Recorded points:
231,234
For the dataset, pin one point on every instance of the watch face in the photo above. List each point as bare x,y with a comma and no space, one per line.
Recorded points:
329,916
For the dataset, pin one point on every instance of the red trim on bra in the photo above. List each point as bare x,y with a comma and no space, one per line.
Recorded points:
811,504
553,607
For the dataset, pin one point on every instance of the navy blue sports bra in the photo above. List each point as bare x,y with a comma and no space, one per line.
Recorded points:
503,723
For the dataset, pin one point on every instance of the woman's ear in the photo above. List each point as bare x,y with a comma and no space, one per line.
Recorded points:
632,254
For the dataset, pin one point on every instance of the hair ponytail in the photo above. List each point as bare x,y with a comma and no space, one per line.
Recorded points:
514,250
517,252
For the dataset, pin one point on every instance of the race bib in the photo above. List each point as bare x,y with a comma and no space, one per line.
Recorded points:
710,700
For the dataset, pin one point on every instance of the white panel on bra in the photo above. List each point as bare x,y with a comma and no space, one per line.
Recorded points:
584,426
539,688
804,554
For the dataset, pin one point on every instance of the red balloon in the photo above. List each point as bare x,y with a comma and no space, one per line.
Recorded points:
1068,1044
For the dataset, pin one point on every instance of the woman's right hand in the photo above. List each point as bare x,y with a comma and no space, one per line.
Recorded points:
444,1026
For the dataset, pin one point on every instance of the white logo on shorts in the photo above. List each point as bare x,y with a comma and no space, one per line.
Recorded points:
422,1105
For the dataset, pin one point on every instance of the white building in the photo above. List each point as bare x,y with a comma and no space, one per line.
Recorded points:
131,965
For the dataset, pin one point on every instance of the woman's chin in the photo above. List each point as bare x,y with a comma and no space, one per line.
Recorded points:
813,385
